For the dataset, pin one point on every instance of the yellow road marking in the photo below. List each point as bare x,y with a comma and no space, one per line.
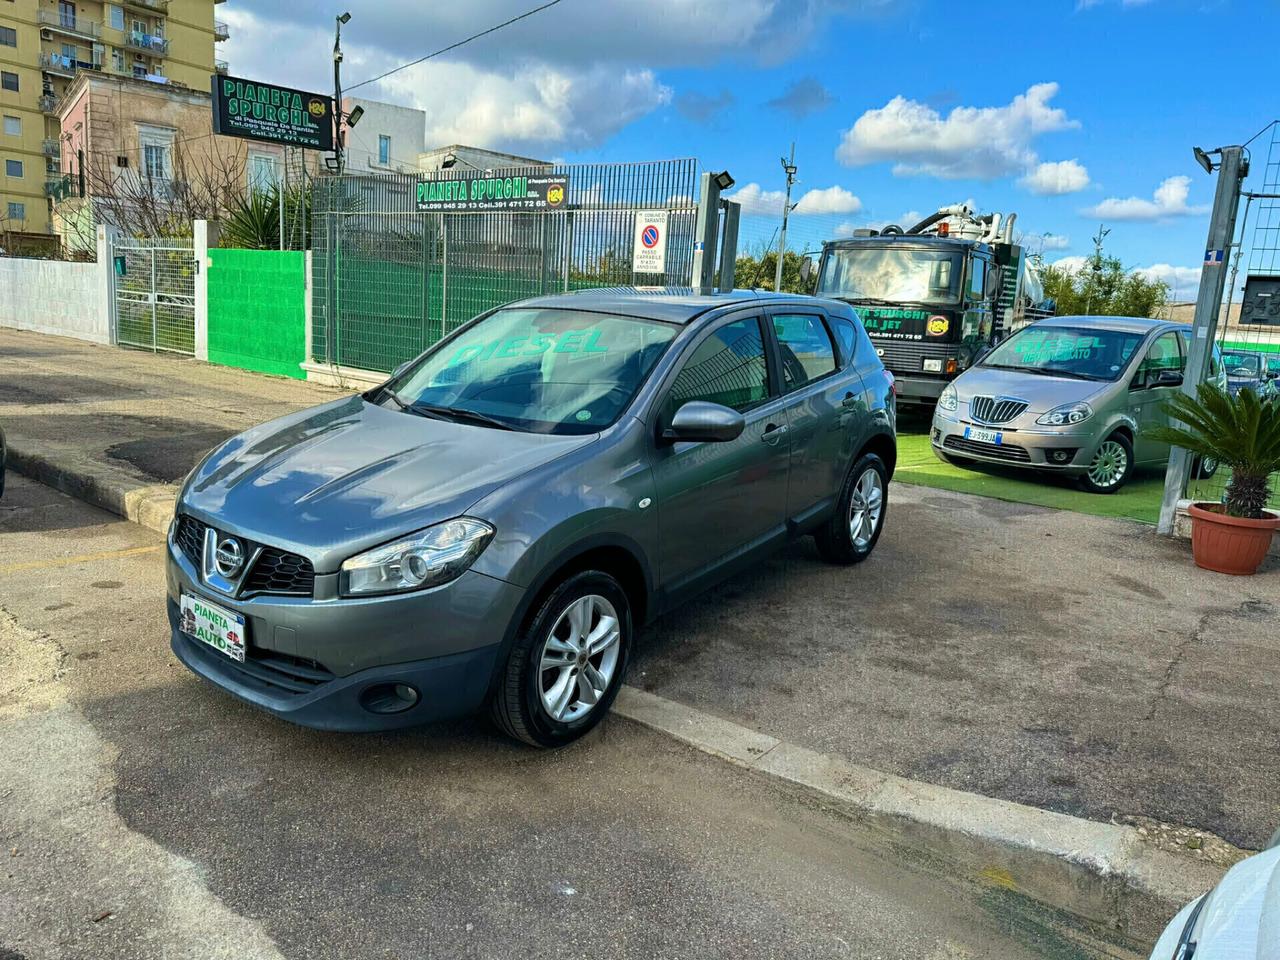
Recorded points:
82,558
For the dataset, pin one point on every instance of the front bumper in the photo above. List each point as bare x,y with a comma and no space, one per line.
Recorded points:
316,662
1057,450
913,389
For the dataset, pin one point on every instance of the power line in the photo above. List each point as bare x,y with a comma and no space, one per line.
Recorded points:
454,46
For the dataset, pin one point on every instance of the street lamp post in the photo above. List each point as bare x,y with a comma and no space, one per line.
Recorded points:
789,168
337,89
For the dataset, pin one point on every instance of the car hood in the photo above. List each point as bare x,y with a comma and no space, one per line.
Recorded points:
1042,393
336,479
1240,920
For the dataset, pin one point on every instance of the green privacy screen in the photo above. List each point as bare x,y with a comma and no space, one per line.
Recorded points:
257,310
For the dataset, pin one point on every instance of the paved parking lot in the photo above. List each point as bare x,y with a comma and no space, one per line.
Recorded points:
144,814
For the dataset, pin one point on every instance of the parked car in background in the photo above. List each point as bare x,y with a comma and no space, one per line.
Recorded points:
492,524
1237,920
1069,395
1248,370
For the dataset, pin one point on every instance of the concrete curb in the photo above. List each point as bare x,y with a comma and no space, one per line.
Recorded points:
1103,873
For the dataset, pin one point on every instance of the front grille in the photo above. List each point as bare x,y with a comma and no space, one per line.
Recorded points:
996,409
1000,451
906,357
190,538
268,671
280,572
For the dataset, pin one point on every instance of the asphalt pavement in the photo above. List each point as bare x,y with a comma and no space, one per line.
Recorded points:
145,814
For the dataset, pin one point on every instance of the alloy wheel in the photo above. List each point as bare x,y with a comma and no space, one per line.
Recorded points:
1109,464
579,658
865,508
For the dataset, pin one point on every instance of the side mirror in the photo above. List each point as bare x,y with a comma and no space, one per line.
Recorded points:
1168,378
699,420
806,269
992,283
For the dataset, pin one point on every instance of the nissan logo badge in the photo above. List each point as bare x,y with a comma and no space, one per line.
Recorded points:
228,557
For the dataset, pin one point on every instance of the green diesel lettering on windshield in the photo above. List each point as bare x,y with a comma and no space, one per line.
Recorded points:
571,341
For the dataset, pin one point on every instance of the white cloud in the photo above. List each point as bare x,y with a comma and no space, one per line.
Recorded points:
1183,281
1051,241
757,201
829,200
908,218
1169,200
1055,178
1071,264
969,142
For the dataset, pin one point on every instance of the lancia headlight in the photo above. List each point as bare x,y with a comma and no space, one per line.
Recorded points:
428,558
949,399
1066,415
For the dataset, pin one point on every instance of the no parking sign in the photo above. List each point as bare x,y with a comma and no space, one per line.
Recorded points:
650,252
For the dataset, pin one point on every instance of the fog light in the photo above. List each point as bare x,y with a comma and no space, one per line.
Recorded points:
1061,456
388,698
952,365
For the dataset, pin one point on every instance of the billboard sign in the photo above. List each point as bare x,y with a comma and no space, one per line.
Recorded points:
540,193
264,111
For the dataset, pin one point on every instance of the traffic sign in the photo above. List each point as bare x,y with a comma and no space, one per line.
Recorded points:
650,253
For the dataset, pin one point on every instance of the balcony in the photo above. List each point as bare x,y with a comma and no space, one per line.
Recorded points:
60,188
64,66
147,43
221,31
155,6
222,67
69,24
51,147
48,103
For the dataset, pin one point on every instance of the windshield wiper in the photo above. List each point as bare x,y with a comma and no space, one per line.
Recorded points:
456,413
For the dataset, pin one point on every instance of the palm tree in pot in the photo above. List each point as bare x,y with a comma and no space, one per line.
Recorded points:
1242,432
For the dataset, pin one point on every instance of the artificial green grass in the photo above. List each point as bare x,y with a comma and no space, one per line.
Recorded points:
1137,500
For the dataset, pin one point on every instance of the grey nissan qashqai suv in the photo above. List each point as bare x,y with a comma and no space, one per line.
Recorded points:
492,524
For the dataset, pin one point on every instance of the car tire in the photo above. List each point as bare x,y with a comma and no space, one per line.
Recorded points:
854,529
550,666
1111,467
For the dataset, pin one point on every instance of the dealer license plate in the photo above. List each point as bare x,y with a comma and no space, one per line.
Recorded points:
216,626
983,436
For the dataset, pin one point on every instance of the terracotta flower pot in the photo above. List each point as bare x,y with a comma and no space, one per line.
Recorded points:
1226,544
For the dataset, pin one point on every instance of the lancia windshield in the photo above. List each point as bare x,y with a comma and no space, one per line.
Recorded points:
1076,352
892,275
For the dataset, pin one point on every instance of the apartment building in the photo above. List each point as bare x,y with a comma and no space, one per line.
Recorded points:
45,44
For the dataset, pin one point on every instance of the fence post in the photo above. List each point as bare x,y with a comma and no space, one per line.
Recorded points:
307,310
705,235
107,236
729,248
205,236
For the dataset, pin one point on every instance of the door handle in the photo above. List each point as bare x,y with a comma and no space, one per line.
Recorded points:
773,432
849,400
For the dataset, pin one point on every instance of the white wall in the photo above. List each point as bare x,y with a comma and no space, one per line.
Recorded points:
53,296
405,126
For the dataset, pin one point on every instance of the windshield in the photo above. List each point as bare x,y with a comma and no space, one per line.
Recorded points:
1242,364
1082,353
536,370
892,274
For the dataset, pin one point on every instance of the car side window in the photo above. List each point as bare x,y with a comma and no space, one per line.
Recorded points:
978,278
1164,354
805,347
728,368
847,336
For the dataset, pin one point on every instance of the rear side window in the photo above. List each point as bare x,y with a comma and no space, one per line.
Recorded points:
846,337
806,348
727,368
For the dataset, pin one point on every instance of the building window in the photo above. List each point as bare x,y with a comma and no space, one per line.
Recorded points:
17,211
12,126
159,28
67,13
8,81
8,37
384,150
13,168
155,161
70,52
117,59
116,17
262,172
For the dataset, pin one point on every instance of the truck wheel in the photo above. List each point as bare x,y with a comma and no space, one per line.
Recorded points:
1111,466
852,532
566,666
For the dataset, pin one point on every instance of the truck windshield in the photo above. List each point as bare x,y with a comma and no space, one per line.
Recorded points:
1075,352
1242,364
892,274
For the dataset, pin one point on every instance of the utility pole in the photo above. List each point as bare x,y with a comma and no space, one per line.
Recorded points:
1222,228
339,20
1097,264
789,168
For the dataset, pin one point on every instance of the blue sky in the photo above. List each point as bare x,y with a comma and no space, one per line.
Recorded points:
1066,112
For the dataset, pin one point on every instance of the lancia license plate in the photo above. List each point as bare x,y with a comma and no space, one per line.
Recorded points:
983,436
213,625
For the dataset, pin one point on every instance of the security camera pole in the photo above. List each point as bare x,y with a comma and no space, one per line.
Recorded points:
789,168
337,88
1222,227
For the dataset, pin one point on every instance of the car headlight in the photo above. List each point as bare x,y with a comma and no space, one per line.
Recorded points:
949,399
1066,415
428,558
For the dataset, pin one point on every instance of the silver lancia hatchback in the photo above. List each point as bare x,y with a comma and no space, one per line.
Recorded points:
1069,395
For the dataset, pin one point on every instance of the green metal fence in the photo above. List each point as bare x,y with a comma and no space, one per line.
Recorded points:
389,280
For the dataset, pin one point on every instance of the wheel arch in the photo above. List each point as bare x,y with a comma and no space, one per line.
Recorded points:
884,446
